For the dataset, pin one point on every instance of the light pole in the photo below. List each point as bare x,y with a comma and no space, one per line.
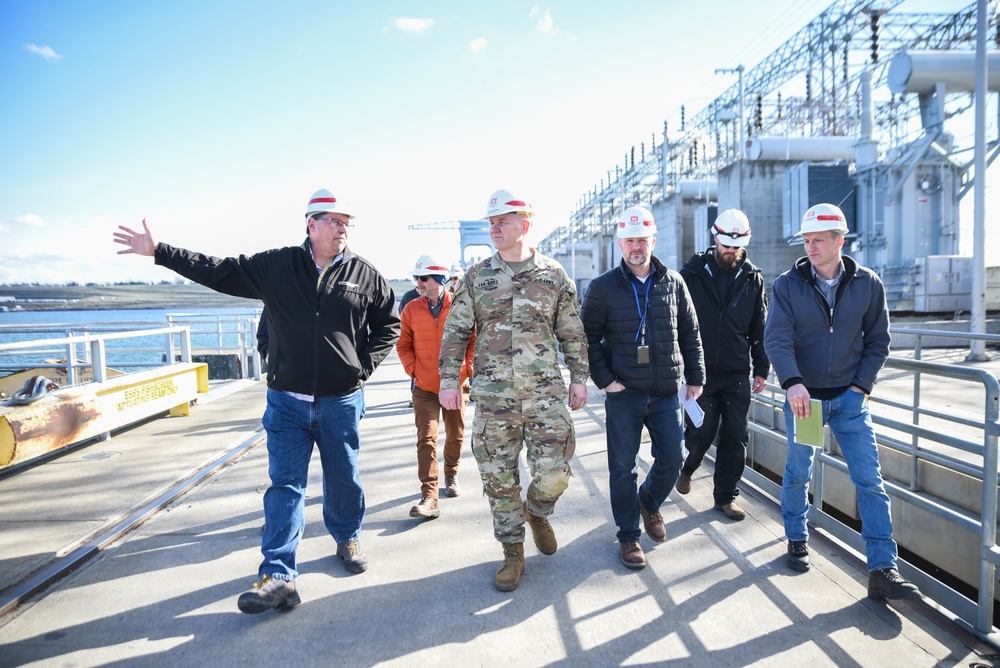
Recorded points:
739,71
742,153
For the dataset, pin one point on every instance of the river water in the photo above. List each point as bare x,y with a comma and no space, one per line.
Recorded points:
15,326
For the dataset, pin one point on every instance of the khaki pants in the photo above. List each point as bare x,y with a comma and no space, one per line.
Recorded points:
427,412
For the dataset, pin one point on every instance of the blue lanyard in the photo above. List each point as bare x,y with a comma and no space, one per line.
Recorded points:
642,311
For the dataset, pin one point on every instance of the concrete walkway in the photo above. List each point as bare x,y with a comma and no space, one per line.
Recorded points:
716,593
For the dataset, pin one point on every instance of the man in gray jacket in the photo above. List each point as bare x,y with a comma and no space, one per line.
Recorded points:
827,336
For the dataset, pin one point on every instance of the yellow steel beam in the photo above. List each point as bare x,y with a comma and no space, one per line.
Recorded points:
74,414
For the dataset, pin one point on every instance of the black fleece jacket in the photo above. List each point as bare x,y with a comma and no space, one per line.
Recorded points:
327,333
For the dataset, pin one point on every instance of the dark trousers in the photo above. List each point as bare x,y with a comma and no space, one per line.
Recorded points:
725,400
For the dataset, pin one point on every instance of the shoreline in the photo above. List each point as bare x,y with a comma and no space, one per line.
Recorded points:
22,298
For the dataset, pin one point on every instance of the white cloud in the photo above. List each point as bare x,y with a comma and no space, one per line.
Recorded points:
477,44
413,25
546,25
30,219
45,52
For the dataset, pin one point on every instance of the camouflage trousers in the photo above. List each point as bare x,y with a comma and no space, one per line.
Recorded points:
499,431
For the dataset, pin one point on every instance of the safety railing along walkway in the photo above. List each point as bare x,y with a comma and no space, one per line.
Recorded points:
937,427
139,344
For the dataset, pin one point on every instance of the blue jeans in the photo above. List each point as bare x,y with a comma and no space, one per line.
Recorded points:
293,426
626,413
851,424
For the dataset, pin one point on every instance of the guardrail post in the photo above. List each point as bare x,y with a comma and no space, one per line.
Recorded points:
185,344
99,360
98,356
914,439
987,569
70,362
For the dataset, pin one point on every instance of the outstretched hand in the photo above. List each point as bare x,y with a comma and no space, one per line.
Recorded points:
140,243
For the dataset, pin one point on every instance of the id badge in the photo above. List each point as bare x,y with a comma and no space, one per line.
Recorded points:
642,355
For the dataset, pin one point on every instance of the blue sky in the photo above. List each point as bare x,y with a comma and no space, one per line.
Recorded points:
216,120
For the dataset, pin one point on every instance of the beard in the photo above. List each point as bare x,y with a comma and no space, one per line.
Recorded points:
729,260
637,259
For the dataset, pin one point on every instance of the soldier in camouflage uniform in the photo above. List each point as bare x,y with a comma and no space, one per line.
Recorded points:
523,309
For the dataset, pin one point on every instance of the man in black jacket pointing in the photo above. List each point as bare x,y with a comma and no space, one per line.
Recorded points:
331,320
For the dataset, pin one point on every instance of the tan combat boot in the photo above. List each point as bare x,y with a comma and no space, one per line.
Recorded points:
509,575
541,530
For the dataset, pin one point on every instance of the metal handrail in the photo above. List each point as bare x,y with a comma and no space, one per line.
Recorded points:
98,352
238,327
979,614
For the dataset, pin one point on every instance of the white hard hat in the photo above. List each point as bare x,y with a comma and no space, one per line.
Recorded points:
503,201
636,221
823,218
457,271
323,201
732,228
427,266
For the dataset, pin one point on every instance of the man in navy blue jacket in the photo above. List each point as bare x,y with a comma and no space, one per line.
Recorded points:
331,319
827,336
644,345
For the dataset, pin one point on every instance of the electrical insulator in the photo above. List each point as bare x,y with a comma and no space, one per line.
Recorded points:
682,118
758,119
809,87
873,21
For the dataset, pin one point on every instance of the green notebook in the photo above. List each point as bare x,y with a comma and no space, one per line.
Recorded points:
809,431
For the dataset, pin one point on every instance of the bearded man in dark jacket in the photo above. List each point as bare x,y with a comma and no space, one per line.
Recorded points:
644,346
331,319
728,294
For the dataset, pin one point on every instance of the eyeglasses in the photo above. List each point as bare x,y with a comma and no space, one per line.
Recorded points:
334,222
422,279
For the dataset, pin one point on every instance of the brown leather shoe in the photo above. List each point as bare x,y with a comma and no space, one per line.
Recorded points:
509,575
632,555
653,524
731,510
427,507
545,537
451,487
683,485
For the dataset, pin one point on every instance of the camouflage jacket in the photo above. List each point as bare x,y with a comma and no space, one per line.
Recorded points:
518,321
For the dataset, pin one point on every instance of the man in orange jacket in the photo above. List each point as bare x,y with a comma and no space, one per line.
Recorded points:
419,346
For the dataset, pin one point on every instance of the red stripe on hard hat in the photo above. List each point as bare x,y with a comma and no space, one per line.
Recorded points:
320,200
444,269
647,223
829,217
516,202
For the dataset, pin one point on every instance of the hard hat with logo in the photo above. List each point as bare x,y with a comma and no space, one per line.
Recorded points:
503,201
823,218
732,228
323,201
428,266
636,221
